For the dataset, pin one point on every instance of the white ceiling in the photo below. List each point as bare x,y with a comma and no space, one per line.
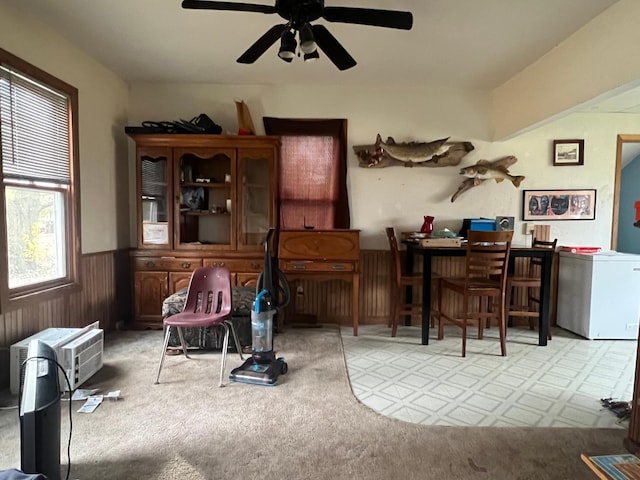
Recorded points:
477,44
474,44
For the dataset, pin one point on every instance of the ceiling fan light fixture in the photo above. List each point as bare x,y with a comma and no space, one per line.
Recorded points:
307,41
301,16
311,57
287,45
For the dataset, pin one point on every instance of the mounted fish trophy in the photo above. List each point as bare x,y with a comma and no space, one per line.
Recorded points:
438,153
485,170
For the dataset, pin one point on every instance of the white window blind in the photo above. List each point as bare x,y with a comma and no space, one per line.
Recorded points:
35,130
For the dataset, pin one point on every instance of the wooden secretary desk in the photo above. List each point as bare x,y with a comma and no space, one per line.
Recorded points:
323,255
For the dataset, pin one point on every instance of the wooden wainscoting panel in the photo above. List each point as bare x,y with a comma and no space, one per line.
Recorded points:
103,296
375,282
330,301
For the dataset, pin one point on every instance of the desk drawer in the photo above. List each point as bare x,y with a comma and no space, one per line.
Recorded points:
164,264
301,266
339,246
235,265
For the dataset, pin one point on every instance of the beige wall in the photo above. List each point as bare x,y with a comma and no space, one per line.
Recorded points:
401,196
103,99
597,60
379,197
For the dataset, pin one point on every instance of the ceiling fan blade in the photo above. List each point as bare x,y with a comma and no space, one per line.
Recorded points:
239,7
332,48
262,44
369,16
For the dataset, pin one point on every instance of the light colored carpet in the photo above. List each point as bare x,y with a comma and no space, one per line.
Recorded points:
308,427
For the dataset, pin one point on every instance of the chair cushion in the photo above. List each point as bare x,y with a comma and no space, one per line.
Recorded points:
241,301
211,338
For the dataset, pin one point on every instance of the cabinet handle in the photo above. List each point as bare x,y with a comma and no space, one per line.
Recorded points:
186,264
150,264
255,265
337,267
299,266
218,264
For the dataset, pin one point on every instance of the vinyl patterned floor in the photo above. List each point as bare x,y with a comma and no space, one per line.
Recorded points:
559,385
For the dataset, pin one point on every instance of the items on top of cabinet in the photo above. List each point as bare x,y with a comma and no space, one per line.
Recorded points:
245,123
198,124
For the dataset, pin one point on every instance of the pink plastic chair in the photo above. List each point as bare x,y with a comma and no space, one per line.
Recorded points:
208,303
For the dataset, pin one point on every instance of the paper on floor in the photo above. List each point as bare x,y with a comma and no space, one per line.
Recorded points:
91,404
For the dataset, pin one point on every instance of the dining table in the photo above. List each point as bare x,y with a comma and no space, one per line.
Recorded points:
414,248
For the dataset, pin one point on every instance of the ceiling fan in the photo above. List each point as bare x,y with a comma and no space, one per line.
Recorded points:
299,15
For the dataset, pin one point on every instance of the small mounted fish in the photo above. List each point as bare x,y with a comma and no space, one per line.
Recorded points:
485,170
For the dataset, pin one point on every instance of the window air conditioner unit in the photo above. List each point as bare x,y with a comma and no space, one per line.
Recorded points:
78,350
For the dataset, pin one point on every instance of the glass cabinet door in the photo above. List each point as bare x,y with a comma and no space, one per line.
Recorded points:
154,205
256,196
205,192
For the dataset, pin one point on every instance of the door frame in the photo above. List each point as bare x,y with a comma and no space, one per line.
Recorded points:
622,139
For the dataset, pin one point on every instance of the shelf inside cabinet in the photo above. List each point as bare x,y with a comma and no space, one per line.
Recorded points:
204,213
255,185
206,185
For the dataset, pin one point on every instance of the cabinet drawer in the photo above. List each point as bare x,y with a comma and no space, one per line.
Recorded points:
301,266
235,265
167,264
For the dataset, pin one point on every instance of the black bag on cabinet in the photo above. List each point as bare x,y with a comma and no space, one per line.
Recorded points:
200,124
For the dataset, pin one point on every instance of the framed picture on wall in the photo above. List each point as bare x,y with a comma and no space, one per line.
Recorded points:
568,152
559,205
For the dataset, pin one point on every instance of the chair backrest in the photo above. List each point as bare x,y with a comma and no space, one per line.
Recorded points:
396,261
488,255
535,263
209,292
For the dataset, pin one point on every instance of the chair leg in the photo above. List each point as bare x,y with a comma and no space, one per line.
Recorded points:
164,351
235,338
395,316
392,305
504,315
182,342
507,297
483,308
435,293
440,326
465,304
225,344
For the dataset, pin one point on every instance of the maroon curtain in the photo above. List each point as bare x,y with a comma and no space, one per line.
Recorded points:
312,172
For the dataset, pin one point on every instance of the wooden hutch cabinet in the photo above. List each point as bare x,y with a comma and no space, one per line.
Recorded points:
202,200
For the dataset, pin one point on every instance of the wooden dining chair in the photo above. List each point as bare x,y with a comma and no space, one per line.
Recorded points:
486,264
400,280
531,283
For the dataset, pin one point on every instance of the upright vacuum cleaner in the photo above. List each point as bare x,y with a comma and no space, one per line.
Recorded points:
263,367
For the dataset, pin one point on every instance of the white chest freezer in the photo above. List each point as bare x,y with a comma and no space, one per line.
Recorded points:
599,294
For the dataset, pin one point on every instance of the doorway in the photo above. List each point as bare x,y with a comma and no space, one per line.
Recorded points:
628,148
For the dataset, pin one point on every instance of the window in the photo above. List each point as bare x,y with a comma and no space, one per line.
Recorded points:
312,172
39,168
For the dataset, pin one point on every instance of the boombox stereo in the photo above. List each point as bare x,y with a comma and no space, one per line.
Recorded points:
505,223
